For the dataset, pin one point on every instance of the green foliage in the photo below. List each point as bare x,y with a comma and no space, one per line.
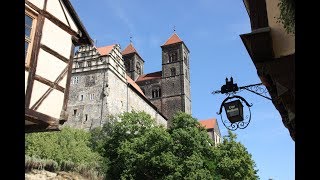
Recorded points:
66,146
233,160
139,149
287,15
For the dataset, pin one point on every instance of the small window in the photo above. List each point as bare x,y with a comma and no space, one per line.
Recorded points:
91,96
173,71
88,63
173,56
75,80
86,117
81,97
156,93
138,67
75,112
80,64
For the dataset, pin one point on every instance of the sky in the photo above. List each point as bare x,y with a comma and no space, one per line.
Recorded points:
210,29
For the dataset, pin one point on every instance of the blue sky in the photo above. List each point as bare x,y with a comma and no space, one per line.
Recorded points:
211,30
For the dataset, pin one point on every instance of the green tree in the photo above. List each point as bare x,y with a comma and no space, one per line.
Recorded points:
139,149
233,160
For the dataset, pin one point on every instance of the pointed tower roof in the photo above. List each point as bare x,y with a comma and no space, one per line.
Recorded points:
172,40
129,49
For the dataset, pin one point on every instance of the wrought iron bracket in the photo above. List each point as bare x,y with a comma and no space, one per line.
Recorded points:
231,88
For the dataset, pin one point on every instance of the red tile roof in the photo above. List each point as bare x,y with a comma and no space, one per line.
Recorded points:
105,50
209,123
154,75
129,49
173,39
133,84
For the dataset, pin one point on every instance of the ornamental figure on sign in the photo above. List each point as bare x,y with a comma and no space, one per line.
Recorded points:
234,109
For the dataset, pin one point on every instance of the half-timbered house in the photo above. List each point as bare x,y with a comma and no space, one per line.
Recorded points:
52,31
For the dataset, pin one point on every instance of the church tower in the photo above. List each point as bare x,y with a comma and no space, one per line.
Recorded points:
175,81
133,62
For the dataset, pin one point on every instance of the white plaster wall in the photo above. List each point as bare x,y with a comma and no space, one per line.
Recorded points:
49,66
52,105
54,8
71,21
63,82
37,91
38,3
56,38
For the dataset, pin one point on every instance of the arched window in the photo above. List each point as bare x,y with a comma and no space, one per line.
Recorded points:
173,56
138,67
173,71
156,92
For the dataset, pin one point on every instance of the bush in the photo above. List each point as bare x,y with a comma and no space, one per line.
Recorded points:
66,149
40,164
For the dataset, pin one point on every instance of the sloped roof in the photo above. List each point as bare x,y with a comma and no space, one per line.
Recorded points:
105,50
172,40
154,75
129,49
85,38
133,84
209,123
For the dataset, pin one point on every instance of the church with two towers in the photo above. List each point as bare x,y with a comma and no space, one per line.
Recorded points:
106,82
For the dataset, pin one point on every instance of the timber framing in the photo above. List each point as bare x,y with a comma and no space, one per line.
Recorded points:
83,35
64,114
34,120
54,53
34,58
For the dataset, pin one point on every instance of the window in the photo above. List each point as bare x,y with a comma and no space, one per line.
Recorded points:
75,112
86,117
88,63
156,92
138,68
80,64
30,22
173,71
81,97
75,80
91,96
173,56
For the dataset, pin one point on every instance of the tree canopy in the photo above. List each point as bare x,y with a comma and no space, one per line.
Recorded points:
233,160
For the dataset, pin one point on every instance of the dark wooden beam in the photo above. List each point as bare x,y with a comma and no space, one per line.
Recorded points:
49,83
54,86
45,5
64,114
40,128
39,118
53,19
34,58
54,53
